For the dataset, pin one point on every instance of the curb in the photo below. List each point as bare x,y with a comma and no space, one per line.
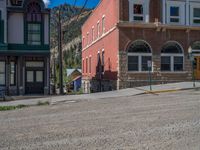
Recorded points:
169,90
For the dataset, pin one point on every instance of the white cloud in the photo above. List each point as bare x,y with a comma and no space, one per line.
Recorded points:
46,2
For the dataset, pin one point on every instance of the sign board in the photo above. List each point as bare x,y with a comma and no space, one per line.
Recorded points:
149,63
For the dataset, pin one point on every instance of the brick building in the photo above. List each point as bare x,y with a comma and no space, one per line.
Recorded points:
24,47
121,37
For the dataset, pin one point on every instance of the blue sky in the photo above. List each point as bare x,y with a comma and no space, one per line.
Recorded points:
90,4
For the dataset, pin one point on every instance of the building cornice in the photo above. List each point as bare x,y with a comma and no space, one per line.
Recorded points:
100,38
156,25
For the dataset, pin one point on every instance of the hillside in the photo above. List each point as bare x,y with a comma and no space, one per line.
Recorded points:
71,39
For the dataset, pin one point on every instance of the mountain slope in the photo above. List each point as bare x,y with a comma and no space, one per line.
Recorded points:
71,38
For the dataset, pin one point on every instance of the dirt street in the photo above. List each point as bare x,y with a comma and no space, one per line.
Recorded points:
169,121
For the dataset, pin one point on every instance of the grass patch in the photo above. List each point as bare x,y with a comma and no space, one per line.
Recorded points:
6,108
42,103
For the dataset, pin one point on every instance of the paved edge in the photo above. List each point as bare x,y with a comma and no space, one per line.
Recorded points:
169,90
63,101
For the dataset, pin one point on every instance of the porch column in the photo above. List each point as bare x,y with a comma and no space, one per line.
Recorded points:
8,75
20,73
47,76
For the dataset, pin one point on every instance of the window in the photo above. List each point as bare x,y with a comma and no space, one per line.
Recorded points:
87,38
139,53
139,10
83,42
171,57
138,13
133,63
34,34
83,66
12,73
2,72
98,62
30,76
90,64
34,22
166,63
103,24
92,34
103,61
195,13
39,76
86,65
175,12
145,60
16,2
98,30
1,29
178,63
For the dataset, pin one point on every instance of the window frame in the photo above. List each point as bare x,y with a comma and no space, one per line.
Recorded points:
28,32
182,12
140,55
83,65
86,69
194,5
172,55
3,73
15,69
98,29
92,34
146,13
103,24
88,39
90,64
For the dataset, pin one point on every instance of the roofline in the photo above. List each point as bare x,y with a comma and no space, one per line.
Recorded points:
100,2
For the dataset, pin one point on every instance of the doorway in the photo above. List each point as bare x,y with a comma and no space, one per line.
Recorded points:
34,81
197,67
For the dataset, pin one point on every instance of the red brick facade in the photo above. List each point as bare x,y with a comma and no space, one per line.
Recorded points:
118,35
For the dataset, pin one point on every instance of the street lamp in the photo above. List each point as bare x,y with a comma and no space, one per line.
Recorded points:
191,57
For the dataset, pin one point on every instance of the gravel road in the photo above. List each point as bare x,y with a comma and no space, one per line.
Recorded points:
169,121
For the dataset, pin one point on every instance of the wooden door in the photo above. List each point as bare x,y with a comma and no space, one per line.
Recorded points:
197,67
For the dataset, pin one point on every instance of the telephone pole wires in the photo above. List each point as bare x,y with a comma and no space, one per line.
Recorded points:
60,52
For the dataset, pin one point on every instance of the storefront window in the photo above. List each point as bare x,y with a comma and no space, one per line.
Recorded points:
2,73
12,73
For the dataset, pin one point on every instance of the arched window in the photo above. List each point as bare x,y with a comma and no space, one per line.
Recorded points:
172,57
139,54
34,19
34,12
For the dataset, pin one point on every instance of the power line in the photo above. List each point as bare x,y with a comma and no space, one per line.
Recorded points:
86,1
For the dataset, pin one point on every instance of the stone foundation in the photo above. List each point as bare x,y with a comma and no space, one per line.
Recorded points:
93,86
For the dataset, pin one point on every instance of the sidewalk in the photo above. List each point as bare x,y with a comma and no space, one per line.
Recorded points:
111,94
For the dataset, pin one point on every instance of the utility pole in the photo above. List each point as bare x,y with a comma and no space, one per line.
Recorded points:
60,52
54,71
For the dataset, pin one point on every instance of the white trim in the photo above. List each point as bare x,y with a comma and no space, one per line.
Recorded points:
98,29
93,34
103,24
181,17
95,41
140,55
145,4
164,11
172,61
187,13
192,6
